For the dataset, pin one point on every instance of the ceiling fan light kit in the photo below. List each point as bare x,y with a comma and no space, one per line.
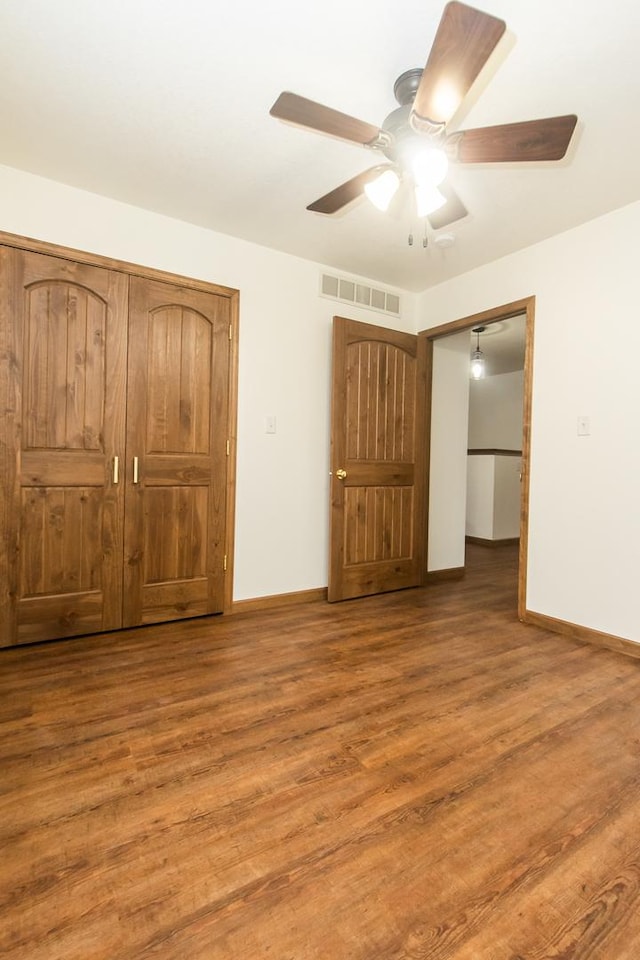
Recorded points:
429,166
428,199
414,138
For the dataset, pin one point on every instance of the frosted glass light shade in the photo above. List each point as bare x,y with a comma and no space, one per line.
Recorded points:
381,190
429,166
477,365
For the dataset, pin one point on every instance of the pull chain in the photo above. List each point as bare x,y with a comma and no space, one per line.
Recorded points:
425,238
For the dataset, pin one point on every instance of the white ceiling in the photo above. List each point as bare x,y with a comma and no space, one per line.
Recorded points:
503,345
165,105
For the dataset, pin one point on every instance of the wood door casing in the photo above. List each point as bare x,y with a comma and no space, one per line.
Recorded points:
177,402
378,523
63,389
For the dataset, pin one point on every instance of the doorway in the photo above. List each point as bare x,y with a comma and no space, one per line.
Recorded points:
494,453
525,307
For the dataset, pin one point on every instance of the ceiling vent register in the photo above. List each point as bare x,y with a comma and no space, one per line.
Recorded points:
350,291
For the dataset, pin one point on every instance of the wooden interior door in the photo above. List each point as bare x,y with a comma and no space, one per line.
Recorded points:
378,457
177,452
63,401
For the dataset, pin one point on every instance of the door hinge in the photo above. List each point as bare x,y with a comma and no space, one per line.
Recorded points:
230,331
228,447
224,563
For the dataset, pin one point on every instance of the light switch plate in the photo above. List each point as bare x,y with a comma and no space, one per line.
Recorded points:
584,427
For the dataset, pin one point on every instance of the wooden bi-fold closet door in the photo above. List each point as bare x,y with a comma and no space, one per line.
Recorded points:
114,448
64,390
177,410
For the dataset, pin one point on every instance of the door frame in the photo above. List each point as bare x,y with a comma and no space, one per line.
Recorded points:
233,295
507,311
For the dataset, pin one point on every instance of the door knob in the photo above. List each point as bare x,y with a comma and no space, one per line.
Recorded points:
341,474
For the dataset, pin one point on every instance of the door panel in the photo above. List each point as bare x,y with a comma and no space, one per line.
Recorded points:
378,524
379,425
169,554
67,333
377,521
179,353
59,527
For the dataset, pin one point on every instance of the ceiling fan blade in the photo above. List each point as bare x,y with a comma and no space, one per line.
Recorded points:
346,192
546,139
315,116
464,42
452,210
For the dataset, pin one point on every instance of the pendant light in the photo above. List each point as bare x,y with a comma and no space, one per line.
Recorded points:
477,357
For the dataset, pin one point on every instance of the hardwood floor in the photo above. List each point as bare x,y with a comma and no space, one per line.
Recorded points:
415,775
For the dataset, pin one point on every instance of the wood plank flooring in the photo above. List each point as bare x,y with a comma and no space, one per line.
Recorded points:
409,776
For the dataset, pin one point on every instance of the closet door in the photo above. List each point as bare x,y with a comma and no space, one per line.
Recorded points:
63,398
178,386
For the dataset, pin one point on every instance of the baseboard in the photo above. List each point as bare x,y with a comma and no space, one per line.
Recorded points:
439,576
508,541
279,600
584,634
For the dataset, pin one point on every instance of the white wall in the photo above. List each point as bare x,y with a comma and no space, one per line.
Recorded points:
584,521
448,465
495,411
493,496
480,496
284,370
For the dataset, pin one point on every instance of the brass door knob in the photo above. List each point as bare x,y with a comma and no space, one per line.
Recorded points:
341,474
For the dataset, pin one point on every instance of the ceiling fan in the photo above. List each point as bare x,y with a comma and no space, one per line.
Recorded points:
414,137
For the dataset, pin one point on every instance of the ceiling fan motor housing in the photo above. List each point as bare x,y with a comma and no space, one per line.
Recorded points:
406,86
405,139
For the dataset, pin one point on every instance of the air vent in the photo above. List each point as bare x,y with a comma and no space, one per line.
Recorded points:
350,291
